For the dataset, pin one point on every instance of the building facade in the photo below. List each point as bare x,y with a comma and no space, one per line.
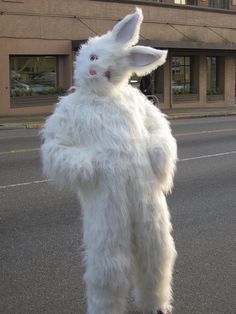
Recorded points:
39,39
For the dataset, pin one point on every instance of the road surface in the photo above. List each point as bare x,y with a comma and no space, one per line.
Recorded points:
40,228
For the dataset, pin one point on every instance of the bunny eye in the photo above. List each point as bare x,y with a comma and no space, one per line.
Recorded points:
93,57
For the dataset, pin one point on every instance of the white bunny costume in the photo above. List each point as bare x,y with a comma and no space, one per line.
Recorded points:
115,149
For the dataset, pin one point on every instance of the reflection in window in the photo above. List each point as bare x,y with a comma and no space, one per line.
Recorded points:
33,75
220,4
186,2
181,75
135,80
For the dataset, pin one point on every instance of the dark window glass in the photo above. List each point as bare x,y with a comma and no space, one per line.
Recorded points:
214,86
220,4
235,80
33,75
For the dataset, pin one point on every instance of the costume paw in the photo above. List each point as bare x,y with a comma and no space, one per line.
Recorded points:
162,312
87,172
158,161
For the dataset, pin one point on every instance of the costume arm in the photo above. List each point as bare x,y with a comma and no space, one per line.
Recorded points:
66,163
162,147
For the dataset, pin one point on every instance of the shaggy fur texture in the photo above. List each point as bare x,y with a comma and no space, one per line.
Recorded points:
109,144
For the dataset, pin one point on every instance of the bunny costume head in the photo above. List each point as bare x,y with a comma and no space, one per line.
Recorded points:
104,63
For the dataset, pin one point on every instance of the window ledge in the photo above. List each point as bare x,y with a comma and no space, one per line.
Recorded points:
185,98
14,1
215,97
33,101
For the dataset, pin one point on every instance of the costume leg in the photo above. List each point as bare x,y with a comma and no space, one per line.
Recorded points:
155,255
107,249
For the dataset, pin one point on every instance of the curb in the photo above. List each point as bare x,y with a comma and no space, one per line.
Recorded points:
205,115
38,125
34,125
14,126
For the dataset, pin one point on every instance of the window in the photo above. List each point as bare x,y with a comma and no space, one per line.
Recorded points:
215,75
235,80
151,84
157,1
186,2
211,74
33,75
182,75
135,80
159,83
219,4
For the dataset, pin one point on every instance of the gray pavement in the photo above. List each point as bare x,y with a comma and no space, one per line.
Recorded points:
40,228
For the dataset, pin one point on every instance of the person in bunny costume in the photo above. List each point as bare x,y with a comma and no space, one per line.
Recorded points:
110,145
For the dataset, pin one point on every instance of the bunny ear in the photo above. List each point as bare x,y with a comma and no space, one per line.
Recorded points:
126,32
143,60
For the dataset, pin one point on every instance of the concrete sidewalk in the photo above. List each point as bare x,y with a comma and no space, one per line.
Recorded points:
36,121
189,113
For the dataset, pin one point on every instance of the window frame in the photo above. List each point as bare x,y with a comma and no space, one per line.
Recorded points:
184,67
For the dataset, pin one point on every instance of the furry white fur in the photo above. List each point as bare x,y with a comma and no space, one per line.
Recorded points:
109,144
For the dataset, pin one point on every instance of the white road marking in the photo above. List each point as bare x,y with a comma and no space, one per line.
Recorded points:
180,160
26,150
23,183
207,156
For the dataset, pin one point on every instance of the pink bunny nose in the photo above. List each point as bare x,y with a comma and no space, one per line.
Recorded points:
92,72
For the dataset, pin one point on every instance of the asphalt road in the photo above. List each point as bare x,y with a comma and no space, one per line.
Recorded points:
40,228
